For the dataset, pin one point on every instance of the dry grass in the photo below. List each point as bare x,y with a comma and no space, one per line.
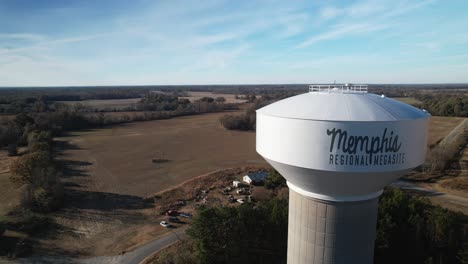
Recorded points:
441,126
119,160
112,172
230,98
5,118
408,100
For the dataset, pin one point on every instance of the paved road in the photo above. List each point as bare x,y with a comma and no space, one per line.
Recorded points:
133,257
139,254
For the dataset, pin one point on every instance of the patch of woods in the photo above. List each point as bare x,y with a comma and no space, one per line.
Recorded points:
444,104
35,172
412,230
447,103
37,175
409,230
58,117
246,121
438,102
13,100
165,104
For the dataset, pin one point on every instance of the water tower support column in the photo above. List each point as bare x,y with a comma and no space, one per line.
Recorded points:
323,231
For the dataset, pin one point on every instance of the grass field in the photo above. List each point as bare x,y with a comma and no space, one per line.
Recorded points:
120,104
119,160
408,100
111,172
230,98
440,126
5,118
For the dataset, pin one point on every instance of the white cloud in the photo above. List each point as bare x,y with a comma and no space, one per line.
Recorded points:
22,36
330,12
220,42
340,31
47,43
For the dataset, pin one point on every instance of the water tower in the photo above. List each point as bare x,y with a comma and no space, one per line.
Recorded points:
338,147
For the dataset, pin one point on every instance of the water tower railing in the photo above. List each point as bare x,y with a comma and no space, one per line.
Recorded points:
338,88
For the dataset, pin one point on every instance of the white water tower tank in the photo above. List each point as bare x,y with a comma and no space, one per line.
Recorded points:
338,147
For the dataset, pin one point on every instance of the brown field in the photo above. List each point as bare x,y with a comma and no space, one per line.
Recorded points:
408,100
119,160
440,126
119,104
4,118
230,98
111,172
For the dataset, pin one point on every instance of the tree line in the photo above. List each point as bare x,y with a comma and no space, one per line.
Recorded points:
441,104
247,121
35,171
409,230
36,174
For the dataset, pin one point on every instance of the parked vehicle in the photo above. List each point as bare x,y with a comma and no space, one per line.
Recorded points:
172,213
186,215
241,201
165,224
174,219
231,199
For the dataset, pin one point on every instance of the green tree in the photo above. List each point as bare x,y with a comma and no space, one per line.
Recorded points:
463,254
274,180
412,230
220,99
244,234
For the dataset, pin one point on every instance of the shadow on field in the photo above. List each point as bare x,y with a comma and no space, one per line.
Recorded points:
62,145
80,199
73,168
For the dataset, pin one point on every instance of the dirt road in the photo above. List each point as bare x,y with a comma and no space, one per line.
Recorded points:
450,201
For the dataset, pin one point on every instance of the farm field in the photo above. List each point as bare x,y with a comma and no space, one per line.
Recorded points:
111,174
408,100
440,126
230,98
7,117
121,104
119,160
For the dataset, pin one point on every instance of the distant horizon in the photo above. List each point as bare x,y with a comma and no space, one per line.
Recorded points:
240,84
103,43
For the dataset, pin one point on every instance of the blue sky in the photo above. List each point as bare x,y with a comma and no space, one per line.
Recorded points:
45,43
